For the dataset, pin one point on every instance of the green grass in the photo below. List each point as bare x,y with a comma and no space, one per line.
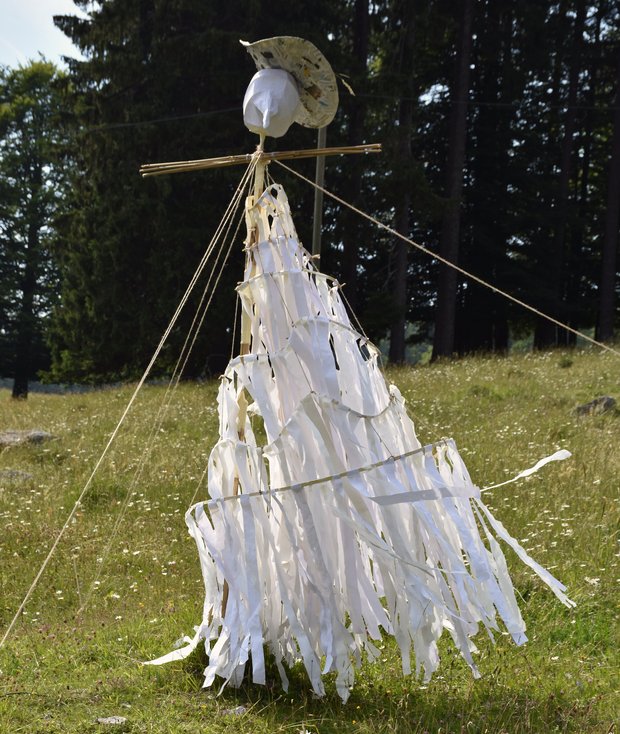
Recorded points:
60,672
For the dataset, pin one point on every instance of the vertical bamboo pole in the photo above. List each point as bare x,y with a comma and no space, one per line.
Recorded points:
246,326
318,195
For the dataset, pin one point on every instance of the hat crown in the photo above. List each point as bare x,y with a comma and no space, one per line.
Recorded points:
315,79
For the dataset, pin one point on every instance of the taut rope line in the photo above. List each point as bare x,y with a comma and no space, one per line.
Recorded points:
172,386
450,264
147,371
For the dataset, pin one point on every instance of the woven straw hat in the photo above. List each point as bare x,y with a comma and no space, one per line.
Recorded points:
316,81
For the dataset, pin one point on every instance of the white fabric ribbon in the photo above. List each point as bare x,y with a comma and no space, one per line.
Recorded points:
342,527
560,455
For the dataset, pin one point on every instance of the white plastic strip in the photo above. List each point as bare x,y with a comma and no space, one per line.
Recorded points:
560,455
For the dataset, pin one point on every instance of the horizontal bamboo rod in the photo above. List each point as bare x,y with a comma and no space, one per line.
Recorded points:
158,169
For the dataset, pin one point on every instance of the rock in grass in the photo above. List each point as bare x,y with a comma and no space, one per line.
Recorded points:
18,438
596,406
237,711
114,720
14,475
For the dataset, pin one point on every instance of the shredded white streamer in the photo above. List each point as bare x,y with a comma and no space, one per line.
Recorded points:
560,455
328,524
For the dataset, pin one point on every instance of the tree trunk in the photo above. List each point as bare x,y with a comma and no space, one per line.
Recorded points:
579,235
397,354
606,317
443,344
547,333
398,351
26,318
482,320
356,167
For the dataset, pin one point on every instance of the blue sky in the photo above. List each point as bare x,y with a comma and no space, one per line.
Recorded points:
27,28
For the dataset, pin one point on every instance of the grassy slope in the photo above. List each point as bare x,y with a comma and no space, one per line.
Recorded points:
59,673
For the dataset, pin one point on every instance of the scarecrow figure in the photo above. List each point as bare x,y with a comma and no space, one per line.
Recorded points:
327,523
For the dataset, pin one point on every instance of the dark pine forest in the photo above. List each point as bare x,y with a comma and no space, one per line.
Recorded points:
500,123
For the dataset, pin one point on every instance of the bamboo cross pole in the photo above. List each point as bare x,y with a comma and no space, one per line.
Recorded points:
159,169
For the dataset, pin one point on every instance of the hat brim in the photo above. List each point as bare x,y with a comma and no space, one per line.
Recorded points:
316,81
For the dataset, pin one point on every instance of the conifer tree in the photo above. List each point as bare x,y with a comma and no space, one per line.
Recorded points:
160,81
31,196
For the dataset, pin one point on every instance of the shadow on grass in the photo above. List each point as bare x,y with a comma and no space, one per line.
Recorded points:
400,705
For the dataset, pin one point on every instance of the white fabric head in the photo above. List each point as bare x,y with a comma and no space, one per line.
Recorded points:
271,103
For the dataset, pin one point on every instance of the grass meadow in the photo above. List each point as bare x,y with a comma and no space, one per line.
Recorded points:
139,581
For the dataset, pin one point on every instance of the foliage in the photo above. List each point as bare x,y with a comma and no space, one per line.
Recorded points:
164,80
161,81
60,673
31,196
518,229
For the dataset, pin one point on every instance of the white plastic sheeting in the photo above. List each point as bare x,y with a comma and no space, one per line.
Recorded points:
271,103
329,523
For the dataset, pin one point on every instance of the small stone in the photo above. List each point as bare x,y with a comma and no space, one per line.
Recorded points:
14,475
237,711
114,720
16,438
597,406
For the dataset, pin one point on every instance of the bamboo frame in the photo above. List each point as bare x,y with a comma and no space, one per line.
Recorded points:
159,169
